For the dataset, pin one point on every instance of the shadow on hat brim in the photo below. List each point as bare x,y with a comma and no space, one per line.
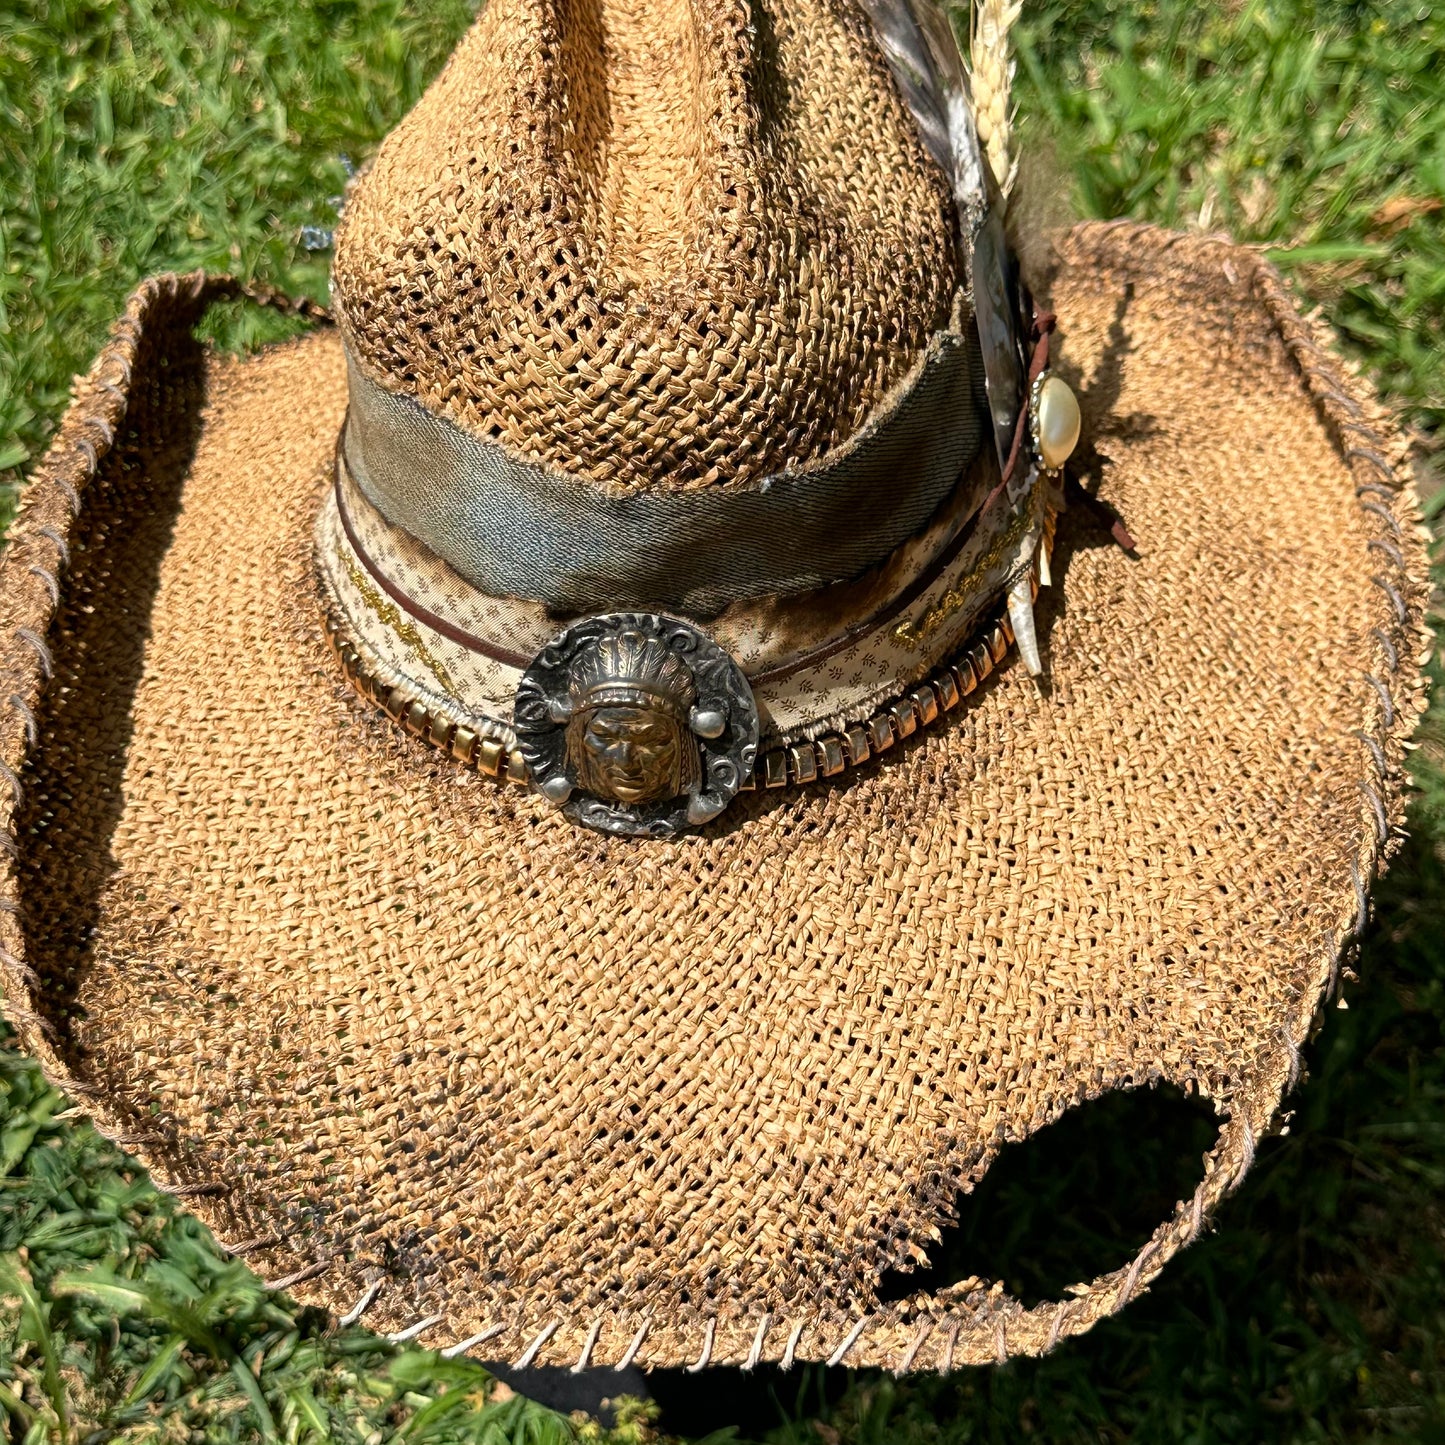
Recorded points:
597,1101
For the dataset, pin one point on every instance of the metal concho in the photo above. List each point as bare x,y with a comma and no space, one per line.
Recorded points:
636,723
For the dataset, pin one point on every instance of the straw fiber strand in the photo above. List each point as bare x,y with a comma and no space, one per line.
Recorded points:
674,244
683,1102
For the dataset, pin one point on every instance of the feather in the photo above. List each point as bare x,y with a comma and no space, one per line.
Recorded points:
917,41
992,74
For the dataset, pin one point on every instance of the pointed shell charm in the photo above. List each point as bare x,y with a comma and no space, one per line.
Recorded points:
1021,618
1055,421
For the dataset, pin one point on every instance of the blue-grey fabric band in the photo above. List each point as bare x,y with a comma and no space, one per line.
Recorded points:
515,529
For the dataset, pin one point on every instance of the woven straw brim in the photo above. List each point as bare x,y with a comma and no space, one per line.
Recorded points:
383,1022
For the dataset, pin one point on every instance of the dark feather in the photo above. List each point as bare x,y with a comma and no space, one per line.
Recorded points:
918,42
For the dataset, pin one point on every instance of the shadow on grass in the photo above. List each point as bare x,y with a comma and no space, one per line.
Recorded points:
1075,1200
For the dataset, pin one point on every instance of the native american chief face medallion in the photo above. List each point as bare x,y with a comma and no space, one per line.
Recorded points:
627,735
636,723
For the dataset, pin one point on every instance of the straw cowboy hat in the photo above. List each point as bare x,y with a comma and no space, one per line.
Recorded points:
547,808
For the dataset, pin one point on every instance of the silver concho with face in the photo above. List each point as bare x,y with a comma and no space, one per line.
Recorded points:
636,723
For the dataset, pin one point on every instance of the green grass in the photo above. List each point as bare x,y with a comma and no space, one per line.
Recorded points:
140,137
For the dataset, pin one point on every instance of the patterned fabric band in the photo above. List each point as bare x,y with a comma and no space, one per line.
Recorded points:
511,528
815,664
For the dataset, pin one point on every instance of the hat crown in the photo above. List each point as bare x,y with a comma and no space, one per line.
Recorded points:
678,244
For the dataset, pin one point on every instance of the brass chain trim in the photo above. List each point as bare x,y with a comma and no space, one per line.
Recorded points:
402,705
794,764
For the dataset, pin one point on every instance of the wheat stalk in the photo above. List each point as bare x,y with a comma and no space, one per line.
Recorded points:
991,70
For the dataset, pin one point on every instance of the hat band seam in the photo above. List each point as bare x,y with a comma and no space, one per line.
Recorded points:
793,764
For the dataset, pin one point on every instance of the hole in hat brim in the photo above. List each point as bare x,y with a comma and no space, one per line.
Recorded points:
1075,1200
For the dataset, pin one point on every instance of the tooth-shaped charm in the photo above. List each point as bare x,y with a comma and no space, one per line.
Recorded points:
1021,614
1046,578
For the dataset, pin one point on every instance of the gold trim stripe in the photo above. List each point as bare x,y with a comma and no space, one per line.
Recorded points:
387,614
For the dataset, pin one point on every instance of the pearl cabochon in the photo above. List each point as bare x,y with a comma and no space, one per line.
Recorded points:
1058,422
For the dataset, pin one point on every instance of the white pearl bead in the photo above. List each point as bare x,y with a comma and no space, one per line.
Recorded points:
557,790
708,722
1058,422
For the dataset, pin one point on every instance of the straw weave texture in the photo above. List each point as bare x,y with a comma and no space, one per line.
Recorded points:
381,1021
677,243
